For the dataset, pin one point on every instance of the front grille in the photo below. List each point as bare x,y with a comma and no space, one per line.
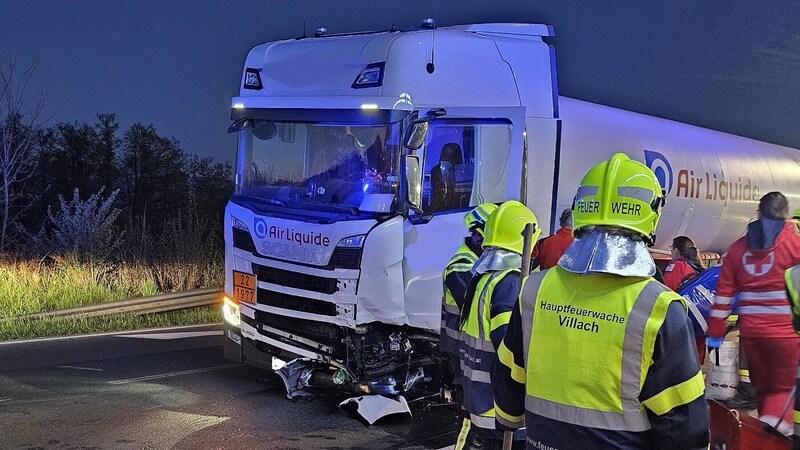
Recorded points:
323,332
295,280
295,303
346,258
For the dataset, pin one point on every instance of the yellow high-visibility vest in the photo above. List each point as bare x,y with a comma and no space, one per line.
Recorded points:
462,261
588,345
478,351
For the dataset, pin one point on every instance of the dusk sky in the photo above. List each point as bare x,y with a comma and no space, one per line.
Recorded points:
727,65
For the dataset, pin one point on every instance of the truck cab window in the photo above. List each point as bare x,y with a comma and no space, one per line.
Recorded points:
459,170
320,167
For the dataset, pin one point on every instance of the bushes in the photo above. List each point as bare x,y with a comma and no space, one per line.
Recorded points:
84,229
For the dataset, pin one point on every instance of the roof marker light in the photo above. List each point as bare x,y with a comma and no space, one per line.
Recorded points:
371,76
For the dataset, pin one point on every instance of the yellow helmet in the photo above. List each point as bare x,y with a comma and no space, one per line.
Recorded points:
622,193
796,218
475,220
505,225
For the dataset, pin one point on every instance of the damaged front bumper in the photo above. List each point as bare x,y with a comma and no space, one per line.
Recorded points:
305,377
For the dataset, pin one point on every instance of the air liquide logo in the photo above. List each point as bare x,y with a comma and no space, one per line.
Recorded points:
701,184
660,166
290,243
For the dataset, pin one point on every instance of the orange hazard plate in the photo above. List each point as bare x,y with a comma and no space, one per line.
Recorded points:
244,287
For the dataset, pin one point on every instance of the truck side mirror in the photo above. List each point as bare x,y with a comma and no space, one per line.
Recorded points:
265,130
240,124
413,181
416,135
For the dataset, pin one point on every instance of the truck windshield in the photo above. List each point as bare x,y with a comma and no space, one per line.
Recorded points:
321,166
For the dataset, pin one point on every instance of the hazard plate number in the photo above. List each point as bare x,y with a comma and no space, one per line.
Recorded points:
244,287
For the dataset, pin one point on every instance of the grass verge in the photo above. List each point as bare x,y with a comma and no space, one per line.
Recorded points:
28,287
18,328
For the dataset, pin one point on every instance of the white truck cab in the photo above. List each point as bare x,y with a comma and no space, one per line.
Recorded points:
334,251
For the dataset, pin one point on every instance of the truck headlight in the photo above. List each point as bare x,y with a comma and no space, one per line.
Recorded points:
238,224
230,312
352,241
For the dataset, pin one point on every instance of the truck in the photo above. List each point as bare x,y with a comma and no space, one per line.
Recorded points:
359,155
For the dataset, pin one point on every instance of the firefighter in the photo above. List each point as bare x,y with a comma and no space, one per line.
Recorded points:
456,277
597,354
753,272
490,297
792,277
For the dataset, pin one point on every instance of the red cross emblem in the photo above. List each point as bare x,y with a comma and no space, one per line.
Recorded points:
757,266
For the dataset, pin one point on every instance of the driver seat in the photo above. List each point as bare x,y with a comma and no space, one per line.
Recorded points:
443,179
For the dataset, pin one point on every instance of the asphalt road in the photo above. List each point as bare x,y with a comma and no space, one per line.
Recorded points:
173,389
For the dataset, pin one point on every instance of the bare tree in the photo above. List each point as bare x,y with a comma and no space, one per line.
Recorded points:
20,124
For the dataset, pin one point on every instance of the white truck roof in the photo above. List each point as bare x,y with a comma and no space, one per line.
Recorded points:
494,64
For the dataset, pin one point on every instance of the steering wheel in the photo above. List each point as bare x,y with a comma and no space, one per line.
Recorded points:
355,178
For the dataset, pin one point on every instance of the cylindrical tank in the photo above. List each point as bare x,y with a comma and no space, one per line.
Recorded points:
713,180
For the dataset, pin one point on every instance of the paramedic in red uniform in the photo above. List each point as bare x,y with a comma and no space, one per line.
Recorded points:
685,262
548,251
753,269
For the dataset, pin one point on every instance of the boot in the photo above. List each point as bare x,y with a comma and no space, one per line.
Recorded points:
745,397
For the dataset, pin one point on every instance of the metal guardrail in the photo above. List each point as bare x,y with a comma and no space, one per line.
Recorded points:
139,306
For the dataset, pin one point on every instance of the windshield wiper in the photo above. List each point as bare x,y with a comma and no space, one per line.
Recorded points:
350,209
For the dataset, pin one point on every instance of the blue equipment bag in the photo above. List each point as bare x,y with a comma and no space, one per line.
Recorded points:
699,294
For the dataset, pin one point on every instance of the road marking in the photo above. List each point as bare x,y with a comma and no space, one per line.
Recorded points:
172,374
169,336
94,369
110,333
4,399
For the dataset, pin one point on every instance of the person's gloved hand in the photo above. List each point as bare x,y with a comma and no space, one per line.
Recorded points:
714,342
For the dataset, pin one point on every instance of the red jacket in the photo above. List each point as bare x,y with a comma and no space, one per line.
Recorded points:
548,251
752,270
676,272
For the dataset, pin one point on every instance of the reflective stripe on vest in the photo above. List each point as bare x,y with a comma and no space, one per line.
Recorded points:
756,296
774,309
449,337
478,353
793,286
610,388
486,422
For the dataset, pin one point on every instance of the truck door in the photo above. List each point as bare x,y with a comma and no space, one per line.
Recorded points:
470,156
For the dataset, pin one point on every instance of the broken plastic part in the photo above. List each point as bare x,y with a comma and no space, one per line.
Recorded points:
295,376
374,407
